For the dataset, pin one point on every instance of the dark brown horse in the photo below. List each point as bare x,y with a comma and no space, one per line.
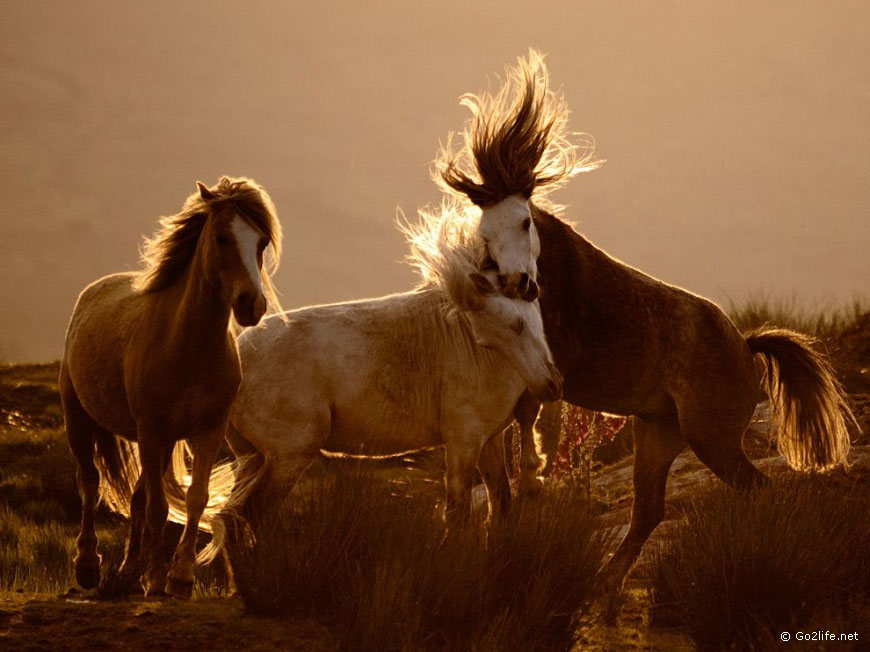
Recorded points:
627,343
150,357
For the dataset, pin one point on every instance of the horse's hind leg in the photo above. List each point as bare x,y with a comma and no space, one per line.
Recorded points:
493,470
205,448
656,445
81,432
715,435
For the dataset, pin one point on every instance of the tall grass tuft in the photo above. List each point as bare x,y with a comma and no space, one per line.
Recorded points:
375,565
742,568
821,320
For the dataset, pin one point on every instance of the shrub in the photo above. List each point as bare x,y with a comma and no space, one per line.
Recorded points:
821,320
376,566
742,568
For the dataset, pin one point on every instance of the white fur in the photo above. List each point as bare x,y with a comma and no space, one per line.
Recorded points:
386,376
513,248
247,238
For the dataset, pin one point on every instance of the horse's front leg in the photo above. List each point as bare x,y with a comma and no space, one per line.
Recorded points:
459,479
493,470
526,413
154,455
131,568
205,448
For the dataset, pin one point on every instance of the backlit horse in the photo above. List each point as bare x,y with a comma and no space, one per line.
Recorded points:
442,365
629,344
150,357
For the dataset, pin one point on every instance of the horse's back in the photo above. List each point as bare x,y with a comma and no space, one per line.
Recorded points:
368,365
625,341
105,315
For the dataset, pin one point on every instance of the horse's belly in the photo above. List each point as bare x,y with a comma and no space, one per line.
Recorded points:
391,434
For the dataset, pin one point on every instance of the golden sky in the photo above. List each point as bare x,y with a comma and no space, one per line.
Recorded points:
736,136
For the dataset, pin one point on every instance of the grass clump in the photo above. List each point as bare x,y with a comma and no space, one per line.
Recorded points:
374,563
742,568
821,320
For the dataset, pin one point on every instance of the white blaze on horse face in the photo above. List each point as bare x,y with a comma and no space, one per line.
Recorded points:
247,242
514,328
511,238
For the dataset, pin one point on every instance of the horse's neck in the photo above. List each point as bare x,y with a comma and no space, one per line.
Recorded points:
199,316
455,341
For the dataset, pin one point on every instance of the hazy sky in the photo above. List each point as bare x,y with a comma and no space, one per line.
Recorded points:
736,136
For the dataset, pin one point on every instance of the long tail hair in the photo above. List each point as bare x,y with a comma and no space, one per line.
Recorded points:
810,409
230,484
118,463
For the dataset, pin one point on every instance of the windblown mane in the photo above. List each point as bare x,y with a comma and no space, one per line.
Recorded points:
516,142
445,249
168,253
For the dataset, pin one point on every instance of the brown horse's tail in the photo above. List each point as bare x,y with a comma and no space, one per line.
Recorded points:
809,407
118,464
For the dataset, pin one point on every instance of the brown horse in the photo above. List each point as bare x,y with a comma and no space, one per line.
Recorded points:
150,358
627,343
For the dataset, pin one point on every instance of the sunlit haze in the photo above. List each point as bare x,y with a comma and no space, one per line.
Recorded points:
735,136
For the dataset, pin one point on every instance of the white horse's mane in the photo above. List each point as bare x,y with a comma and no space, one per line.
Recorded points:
446,248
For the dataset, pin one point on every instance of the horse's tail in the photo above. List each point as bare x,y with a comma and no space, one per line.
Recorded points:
229,486
118,464
809,406
231,483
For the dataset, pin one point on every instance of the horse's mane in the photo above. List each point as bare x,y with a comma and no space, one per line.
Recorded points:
516,142
168,253
445,249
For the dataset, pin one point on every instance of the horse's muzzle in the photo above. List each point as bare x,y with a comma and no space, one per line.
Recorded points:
518,286
249,309
552,389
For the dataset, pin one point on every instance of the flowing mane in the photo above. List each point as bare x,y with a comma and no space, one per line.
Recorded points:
445,249
516,142
168,253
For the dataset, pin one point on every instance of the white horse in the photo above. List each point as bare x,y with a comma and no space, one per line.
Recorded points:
515,147
443,364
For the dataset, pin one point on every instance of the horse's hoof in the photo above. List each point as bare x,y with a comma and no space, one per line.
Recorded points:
155,594
88,571
178,588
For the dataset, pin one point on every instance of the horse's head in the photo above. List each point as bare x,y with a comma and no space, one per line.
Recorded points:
512,245
515,329
234,240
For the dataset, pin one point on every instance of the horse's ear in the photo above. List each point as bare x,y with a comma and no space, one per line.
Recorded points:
482,283
204,192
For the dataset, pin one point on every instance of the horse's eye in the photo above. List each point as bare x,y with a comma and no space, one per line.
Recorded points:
222,239
527,224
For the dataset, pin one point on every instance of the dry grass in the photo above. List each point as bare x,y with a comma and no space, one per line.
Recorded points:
374,564
742,568
821,320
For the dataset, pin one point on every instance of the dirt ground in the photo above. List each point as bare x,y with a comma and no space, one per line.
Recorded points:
75,623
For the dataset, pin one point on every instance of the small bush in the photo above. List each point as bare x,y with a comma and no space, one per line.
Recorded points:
376,566
742,568
821,320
